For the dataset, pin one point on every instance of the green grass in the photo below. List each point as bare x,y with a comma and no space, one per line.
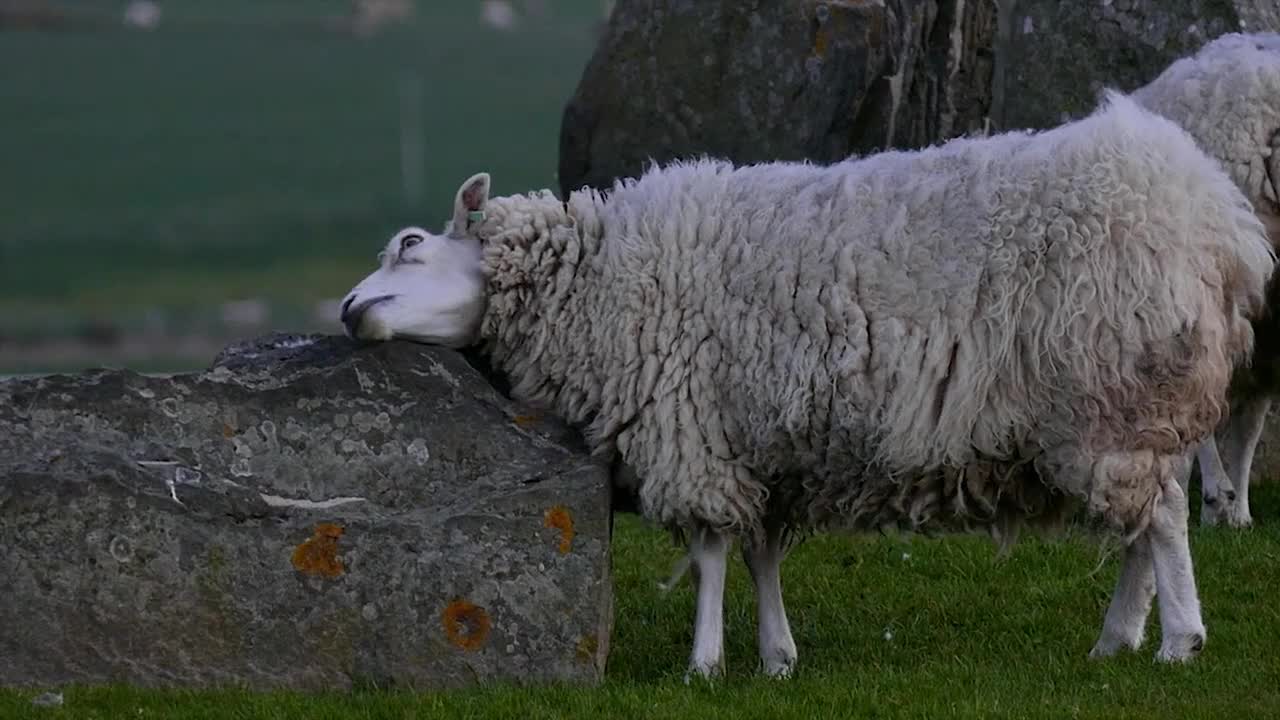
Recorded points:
972,636
213,158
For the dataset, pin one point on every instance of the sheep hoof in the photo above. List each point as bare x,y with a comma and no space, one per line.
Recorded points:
1181,648
703,670
1109,645
780,667
1239,519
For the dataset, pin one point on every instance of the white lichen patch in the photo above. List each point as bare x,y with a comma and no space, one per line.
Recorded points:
418,451
293,431
169,406
279,501
362,421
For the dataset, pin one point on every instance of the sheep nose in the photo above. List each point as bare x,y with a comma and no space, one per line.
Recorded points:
353,312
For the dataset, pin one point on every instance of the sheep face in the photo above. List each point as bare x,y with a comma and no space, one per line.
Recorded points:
428,288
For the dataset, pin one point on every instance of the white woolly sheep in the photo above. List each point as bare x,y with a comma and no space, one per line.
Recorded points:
984,334
1227,96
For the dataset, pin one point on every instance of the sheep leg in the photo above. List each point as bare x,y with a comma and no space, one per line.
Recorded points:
764,562
1214,483
1124,626
1244,430
710,554
1180,620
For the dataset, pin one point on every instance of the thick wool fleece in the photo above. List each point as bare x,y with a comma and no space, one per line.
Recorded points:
1227,96
958,336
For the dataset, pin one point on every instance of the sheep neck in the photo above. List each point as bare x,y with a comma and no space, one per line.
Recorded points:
537,261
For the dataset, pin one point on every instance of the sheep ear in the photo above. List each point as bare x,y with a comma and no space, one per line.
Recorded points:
468,204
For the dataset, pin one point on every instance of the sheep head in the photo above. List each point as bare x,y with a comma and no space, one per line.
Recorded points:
427,288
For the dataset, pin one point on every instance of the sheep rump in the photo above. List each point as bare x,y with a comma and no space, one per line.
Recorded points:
974,333
1227,96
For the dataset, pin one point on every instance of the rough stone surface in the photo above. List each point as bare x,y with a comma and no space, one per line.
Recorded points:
306,513
756,81
1054,57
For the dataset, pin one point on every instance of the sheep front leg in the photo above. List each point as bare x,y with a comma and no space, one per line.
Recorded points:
1124,626
1244,430
710,554
764,562
1180,620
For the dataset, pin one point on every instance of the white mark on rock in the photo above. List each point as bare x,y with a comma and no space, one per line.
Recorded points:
1028,25
369,612
147,393
269,433
278,501
242,468
172,481
121,549
340,420
242,447
169,406
418,451
435,369
365,383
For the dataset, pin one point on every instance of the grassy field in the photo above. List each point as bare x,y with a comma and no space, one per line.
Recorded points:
969,635
244,150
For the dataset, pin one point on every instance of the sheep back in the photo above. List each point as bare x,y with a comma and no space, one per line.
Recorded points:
1018,319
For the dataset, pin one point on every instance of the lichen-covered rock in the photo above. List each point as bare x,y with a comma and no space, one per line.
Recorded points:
1054,57
306,513
821,80
753,81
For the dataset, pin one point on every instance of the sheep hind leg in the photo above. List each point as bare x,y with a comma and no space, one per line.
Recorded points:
1244,430
1215,486
1181,623
709,552
764,562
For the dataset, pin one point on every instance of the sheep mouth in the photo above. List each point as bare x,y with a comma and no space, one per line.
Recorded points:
353,315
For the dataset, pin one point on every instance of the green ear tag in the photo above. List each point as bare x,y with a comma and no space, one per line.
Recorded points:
475,216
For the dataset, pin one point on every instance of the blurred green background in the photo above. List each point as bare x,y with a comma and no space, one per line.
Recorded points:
166,187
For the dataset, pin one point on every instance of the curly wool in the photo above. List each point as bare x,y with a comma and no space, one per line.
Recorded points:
1227,96
956,336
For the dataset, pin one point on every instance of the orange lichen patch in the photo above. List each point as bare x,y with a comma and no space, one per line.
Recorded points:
466,624
559,518
820,43
586,648
227,430
318,554
525,420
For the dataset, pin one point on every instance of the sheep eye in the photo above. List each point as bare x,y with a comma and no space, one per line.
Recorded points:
410,242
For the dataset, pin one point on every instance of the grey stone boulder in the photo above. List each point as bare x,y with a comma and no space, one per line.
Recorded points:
1054,57
759,81
307,513
821,80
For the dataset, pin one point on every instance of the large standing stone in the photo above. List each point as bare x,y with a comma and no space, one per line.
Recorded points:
1053,57
755,81
307,514
821,80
